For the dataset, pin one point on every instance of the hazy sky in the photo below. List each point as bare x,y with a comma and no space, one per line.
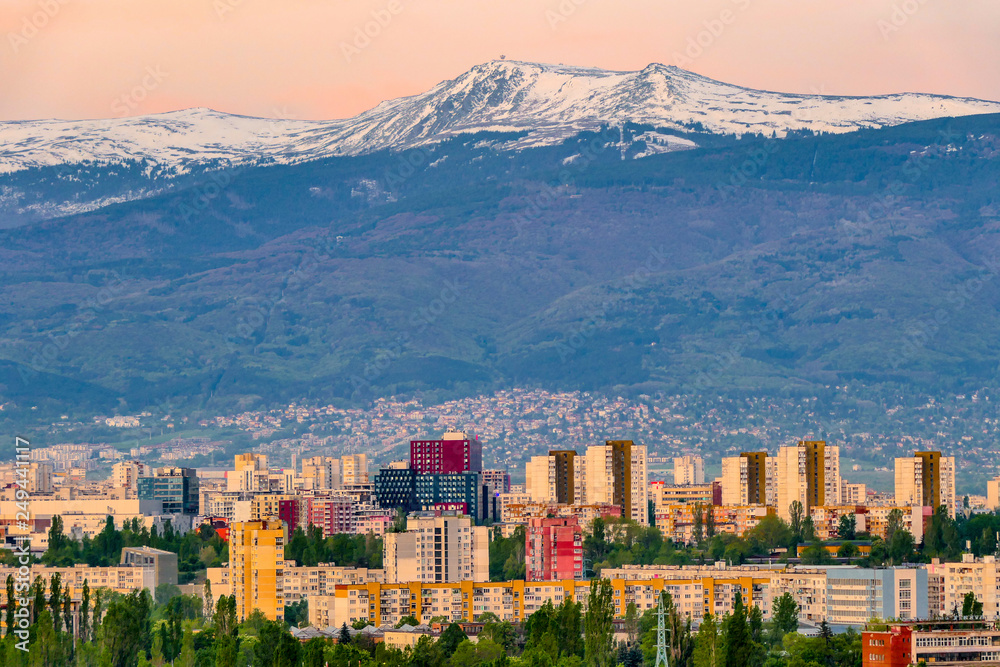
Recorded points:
300,58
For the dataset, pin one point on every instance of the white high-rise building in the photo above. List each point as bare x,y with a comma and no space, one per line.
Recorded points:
926,479
355,468
126,474
540,479
689,470
322,473
616,474
437,549
746,479
808,472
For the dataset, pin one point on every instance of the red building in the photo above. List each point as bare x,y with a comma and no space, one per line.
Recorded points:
891,648
455,453
553,549
333,515
290,511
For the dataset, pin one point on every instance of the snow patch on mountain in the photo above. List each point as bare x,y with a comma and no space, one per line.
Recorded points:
548,102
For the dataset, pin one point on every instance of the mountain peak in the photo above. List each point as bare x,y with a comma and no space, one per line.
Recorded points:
548,102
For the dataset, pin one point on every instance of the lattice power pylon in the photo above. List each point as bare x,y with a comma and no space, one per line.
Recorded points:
661,637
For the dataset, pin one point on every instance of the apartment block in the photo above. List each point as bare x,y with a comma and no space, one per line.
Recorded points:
355,468
497,480
993,494
928,479
437,549
322,473
519,513
848,595
745,480
162,563
250,473
808,472
553,549
332,515
455,452
978,576
616,474
256,562
559,477
689,470
677,522
876,520
126,474
696,591
663,494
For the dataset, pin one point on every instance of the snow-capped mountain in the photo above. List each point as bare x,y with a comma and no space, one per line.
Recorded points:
548,102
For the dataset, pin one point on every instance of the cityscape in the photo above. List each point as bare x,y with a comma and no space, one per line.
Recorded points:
549,333
436,541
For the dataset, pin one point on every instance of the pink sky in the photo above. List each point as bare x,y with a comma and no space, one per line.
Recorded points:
105,58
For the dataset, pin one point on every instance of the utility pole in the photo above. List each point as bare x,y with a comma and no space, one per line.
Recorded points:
661,637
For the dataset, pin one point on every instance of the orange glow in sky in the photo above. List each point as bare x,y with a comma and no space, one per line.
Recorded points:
313,58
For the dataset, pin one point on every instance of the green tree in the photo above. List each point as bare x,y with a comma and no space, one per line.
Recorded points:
55,601
808,529
971,606
9,616
795,513
698,528
38,604
598,631
738,644
569,622
772,532
707,644
847,527
784,617
125,629
847,550
452,637
632,622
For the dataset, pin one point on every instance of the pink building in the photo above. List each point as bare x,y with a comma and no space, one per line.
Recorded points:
553,549
333,515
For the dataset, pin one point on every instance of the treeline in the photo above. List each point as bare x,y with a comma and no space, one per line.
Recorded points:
196,550
615,542
310,548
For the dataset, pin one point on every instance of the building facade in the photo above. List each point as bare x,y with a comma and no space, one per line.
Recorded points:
455,452
256,563
177,488
553,549
437,549
926,479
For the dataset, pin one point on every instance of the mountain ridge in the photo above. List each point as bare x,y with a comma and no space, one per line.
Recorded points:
550,103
